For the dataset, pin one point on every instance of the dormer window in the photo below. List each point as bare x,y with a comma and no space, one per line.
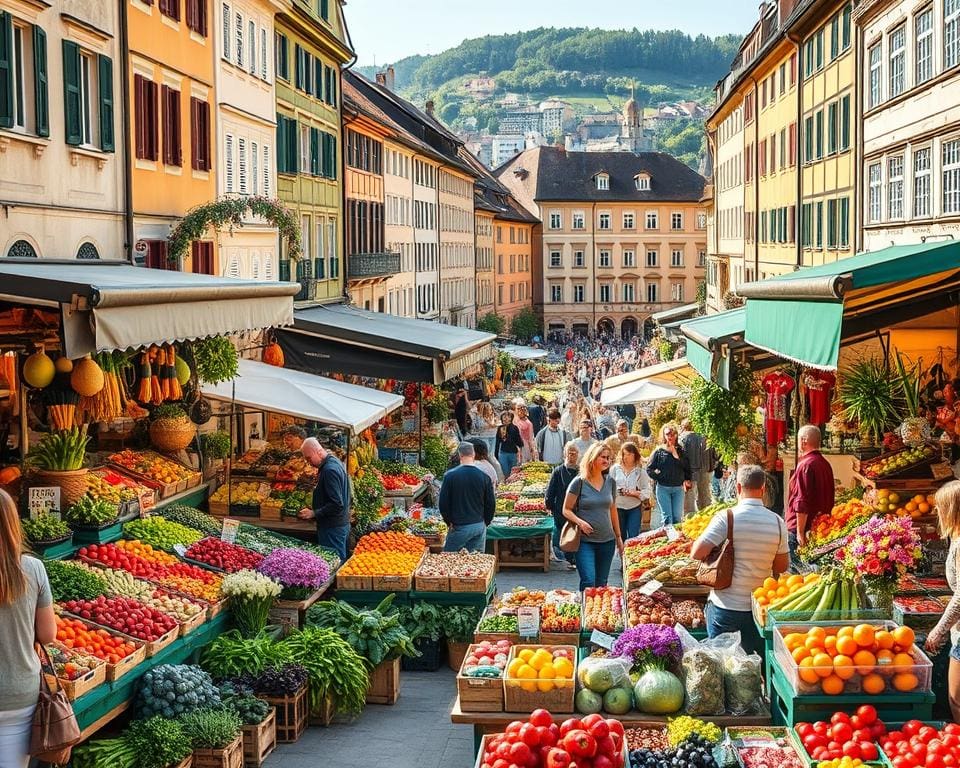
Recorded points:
642,182
603,182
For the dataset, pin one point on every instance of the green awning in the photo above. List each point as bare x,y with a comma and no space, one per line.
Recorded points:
804,316
707,340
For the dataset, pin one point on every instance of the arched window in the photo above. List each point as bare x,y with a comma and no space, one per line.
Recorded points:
88,252
22,249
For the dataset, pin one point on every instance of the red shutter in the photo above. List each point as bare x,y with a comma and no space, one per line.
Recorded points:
205,135
153,122
191,9
139,116
202,257
195,134
167,130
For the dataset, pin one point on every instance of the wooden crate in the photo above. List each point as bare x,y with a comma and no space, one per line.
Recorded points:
291,715
479,694
479,584
391,583
186,627
187,762
218,508
118,670
259,741
354,583
559,700
384,685
560,638
150,649
231,756
74,689
431,583
271,512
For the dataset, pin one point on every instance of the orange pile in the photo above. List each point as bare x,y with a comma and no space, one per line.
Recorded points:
773,589
541,669
854,658
194,587
381,564
146,552
73,633
391,541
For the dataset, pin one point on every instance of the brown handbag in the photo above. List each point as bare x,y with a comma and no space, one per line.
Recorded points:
55,729
716,570
570,533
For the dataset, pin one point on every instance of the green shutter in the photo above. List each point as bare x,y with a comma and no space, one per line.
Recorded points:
333,157
6,70
293,148
71,92
325,10
281,145
315,151
40,96
105,82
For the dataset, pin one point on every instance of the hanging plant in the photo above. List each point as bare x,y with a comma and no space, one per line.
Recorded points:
215,359
229,212
717,413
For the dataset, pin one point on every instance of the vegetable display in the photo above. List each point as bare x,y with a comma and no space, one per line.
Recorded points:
459,621
211,728
334,669
220,554
844,735
603,609
375,634
173,689
80,636
44,528
232,655
501,624
276,681
914,743
541,669
69,665
60,451
240,698
158,742
124,615
91,513
71,581
486,659
192,518
161,533
152,465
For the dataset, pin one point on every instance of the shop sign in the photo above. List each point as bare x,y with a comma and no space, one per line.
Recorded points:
528,620
44,500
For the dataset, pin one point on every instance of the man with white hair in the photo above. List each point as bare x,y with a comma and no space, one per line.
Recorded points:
331,498
467,503
811,489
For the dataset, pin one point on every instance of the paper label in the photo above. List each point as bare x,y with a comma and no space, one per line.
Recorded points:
264,490
410,458
672,533
602,639
528,619
44,500
229,531
180,550
650,587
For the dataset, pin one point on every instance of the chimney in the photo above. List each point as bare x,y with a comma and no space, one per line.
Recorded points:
391,77
429,107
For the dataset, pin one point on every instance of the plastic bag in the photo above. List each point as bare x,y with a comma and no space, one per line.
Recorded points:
743,683
702,667
601,673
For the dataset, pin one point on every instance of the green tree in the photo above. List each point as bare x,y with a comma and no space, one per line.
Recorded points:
525,324
492,323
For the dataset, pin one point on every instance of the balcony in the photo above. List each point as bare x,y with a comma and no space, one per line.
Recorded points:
372,266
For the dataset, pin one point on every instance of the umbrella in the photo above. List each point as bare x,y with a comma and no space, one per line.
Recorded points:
643,392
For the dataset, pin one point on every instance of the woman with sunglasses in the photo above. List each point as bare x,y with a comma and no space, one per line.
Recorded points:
590,504
669,469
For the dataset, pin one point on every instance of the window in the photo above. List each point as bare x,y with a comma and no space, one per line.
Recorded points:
578,294
951,176
898,60
895,187
676,289
652,293
676,221
808,140
578,260
605,293
845,24
228,163
876,193
197,16
831,223
629,259
875,92
227,31
603,182
818,49
172,150
287,158
642,183
951,33
701,258
783,78
652,259
844,235
242,166
200,136
845,123
281,55
923,35
88,97
818,122
604,221
921,183
238,39
604,259
170,8
577,222
808,58
652,215
676,258
819,222
252,47
701,221
832,127
556,220
145,117
556,294
628,295
202,257
556,259
835,37
88,252
628,220
806,223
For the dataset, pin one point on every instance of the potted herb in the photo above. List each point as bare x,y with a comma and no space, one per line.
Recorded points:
170,428
46,530
459,622
252,595
57,460
215,737
214,448
299,573
91,514
869,396
215,359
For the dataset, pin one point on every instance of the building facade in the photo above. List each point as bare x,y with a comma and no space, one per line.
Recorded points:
483,229
61,148
173,101
310,49
399,230
624,235
458,260
513,260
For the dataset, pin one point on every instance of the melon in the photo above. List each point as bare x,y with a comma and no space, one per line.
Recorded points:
588,703
617,701
63,364
87,377
658,692
183,370
39,370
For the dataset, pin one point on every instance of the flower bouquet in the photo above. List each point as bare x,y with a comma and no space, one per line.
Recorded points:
881,552
252,596
649,647
299,573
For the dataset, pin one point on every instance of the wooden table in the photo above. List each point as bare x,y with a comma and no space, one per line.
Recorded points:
541,561
496,722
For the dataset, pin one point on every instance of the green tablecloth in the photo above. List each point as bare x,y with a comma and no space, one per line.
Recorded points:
530,532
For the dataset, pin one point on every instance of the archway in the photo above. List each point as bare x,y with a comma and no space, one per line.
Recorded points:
649,328
581,329
605,326
628,328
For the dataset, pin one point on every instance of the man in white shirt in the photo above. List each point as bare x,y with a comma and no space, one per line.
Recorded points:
551,439
761,549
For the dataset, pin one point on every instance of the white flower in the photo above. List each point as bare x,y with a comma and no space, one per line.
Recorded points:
250,585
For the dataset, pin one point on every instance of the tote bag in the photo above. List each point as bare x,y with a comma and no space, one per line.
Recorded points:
716,570
55,729
570,533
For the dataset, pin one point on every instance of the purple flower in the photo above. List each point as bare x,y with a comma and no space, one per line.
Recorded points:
649,646
295,568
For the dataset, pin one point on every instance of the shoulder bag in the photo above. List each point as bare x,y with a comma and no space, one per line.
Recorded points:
716,570
55,729
570,533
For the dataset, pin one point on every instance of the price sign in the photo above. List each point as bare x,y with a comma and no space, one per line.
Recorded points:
410,458
180,550
528,619
229,531
672,533
602,639
44,500
650,587
264,490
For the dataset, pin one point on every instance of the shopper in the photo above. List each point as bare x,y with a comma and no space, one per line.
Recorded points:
633,489
948,510
760,550
331,498
585,439
461,410
669,469
482,460
508,443
719,473
560,480
606,421
523,423
26,618
466,503
811,489
293,437
537,414
551,439
695,447
590,505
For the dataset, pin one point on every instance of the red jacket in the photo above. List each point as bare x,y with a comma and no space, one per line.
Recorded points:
811,490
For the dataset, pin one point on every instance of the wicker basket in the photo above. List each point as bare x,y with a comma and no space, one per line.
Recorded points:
172,435
72,483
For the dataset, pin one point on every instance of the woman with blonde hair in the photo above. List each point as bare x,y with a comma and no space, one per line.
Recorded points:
590,504
633,488
948,510
669,469
26,618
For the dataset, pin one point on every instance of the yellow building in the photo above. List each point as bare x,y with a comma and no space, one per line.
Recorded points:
171,75
483,230
515,250
311,46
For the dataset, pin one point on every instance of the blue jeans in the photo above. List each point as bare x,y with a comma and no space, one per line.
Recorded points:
670,501
721,620
715,488
629,522
507,462
593,562
795,564
558,521
334,538
472,537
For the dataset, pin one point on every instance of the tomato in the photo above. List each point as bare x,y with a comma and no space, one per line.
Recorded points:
520,753
851,749
571,724
598,729
803,729
557,758
868,751
528,735
541,717
579,743
545,737
841,732
867,713
911,728
927,734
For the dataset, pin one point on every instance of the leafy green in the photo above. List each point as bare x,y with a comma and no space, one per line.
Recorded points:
375,634
422,620
334,668
459,622
69,581
215,359
211,728
91,512
232,655
158,742
44,527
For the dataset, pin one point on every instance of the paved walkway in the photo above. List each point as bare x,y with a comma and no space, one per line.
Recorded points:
416,732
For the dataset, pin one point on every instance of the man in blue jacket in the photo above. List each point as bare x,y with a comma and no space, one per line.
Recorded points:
467,503
331,498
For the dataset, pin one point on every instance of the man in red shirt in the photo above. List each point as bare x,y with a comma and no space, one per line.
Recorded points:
811,490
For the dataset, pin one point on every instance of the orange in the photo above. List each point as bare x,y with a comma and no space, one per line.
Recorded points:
904,637
770,583
832,685
814,643
923,508
905,681
883,639
873,684
793,640
514,668
845,632
864,635
818,632
830,645
846,645
865,662
801,653
807,673
823,664
843,667
902,660
547,672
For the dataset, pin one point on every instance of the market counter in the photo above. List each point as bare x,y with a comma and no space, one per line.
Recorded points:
500,532
526,547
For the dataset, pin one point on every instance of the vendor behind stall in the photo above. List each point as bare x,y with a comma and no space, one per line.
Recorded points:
331,498
293,437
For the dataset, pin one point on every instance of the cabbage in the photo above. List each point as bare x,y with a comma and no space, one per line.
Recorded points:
658,692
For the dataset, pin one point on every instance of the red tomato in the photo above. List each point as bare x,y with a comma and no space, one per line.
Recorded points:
841,732
840,717
541,717
520,753
867,713
851,749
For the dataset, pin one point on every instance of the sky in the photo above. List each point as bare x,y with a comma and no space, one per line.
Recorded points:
384,31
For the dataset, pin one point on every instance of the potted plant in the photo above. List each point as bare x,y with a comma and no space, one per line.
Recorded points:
252,595
215,737
914,429
459,622
91,514
214,448
869,397
57,460
424,624
170,428
45,531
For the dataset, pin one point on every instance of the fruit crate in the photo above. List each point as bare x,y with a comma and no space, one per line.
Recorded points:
921,669
560,638
767,736
920,613
880,762
152,647
479,584
117,670
354,583
478,636
188,626
478,694
384,685
905,463
231,756
291,715
391,583
431,583
259,741
487,736
559,699
74,689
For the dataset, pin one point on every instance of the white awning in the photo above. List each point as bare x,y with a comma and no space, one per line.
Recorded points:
305,396
641,392
519,352
619,389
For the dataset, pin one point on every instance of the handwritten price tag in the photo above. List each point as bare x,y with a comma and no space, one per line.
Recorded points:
44,500
528,620
650,587
602,639
229,531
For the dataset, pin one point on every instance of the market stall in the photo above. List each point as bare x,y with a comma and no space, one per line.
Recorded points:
522,529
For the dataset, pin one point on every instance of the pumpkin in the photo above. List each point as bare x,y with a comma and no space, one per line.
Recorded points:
63,364
273,355
87,377
9,475
39,370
